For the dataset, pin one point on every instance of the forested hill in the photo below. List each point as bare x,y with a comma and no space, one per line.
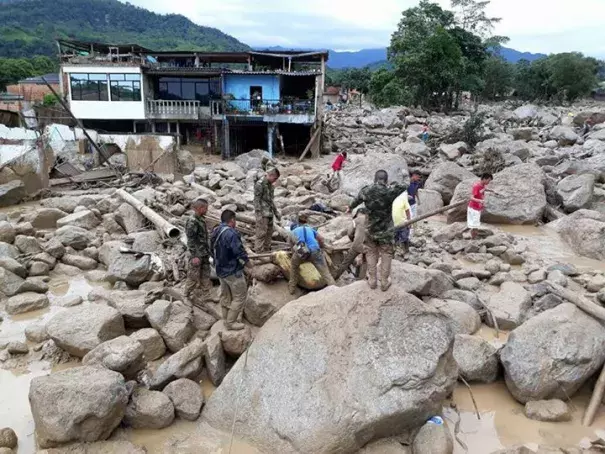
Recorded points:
30,27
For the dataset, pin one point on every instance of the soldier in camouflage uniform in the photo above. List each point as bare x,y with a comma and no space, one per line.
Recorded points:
265,210
198,284
378,199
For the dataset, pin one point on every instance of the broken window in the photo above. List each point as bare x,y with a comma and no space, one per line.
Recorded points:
89,87
125,87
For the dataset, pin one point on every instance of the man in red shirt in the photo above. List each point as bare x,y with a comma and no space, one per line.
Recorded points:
338,164
476,204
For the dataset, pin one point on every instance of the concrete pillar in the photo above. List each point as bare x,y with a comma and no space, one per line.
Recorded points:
153,127
270,131
169,128
178,134
134,126
226,149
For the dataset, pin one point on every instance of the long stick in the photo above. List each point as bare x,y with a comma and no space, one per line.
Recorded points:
311,142
470,391
81,126
595,400
429,214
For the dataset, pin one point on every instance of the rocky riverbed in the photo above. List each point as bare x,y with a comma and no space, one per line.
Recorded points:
93,311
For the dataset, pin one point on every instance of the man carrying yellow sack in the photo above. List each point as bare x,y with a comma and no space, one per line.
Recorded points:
402,212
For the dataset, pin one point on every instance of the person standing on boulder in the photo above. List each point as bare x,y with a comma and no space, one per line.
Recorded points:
415,185
338,164
265,210
378,199
198,268
476,203
230,259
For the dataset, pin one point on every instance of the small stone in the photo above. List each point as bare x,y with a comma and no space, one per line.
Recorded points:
39,269
596,284
536,276
8,438
433,438
70,301
469,283
26,302
17,348
554,410
153,344
79,261
36,332
187,398
149,410
557,277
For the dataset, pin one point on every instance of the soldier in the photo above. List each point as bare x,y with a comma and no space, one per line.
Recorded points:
230,260
378,199
198,270
265,210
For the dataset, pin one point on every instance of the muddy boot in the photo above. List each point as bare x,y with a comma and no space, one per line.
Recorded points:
225,312
384,286
231,324
372,283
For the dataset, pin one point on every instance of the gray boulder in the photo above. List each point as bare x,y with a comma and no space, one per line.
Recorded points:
554,410
122,354
85,219
130,269
36,332
553,354
130,219
149,410
79,329
576,191
81,404
360,171
445,177
11,284
79,261
465,320
304,404
75,237
153,344
8,439
46,218
187,398
509,306
173,320
129,303
26,302
8,250
214,359
565,135
7,232
420,281
433,438
264,300
429,200
186,363
12,193
584,231
477,359
27,244
13,266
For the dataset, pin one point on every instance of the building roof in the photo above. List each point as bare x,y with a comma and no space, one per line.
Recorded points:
87,46
52,78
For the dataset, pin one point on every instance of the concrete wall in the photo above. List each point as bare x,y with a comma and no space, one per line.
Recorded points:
239,85
106,110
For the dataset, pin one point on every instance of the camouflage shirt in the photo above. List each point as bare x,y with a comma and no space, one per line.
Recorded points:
378,199
263,199
197,237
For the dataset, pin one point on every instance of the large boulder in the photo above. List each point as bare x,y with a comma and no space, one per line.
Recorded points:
564,135
81,404
477,359
576,191
187,363
553,354
264,300
359,172
428,200
122,354
153,344
26,302
11,284
465,319
80,329
76,237
130,303
173,320
85,219
149,410
516,196
7,232
187,398
12,193
420,281
445,177
510,305
46,218
323,346
130,269
584,231
130,219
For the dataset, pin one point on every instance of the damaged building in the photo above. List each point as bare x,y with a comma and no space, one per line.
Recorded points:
224,102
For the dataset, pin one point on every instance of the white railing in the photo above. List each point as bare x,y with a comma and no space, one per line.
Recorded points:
164,109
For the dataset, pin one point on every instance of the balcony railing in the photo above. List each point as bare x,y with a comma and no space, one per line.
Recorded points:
173,110
267,107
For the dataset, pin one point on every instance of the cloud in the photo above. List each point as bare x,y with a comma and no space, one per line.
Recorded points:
533,25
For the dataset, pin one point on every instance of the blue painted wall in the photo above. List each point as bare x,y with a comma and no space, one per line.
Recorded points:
239,85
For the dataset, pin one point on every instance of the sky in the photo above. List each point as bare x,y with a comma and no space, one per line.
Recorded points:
545,26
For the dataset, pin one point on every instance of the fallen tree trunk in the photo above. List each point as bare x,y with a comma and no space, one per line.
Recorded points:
430,214
161,224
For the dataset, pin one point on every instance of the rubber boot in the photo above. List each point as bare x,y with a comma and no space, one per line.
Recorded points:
231,324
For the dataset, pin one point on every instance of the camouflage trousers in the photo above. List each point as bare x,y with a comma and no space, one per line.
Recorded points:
234,293
198,286
264,232
318,260
378,252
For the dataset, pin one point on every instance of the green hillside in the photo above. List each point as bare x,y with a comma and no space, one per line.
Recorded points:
30,27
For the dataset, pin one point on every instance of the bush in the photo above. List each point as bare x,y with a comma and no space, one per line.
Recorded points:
49,100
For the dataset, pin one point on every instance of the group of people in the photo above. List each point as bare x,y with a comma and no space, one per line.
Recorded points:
376,233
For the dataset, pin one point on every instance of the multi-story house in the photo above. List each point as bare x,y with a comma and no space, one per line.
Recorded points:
230,102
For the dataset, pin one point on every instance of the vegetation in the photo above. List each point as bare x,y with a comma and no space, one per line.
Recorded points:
436,55
13,70
30,27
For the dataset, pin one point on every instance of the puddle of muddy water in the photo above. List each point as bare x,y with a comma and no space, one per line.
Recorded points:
503,423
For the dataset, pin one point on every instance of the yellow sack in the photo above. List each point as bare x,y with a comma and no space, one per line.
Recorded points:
310,279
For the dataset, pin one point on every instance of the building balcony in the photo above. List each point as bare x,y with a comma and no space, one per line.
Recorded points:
279,111
159,109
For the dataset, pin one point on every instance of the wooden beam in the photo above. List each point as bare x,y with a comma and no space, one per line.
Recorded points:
308,147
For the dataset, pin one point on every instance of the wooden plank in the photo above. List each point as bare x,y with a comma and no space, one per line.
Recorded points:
308,147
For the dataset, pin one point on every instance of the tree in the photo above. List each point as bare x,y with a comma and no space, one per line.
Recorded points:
572,75
498,77
387,90
471,16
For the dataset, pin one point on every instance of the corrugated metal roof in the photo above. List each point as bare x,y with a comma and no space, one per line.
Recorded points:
52,78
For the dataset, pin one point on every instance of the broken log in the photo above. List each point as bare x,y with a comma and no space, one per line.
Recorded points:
162,224
430,214
310,144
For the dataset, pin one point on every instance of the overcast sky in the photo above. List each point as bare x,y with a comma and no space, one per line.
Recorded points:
533,25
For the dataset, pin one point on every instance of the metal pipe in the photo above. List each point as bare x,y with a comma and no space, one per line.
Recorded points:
162,224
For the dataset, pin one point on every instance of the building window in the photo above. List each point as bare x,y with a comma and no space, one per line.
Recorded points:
89,87
125,87
190,89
